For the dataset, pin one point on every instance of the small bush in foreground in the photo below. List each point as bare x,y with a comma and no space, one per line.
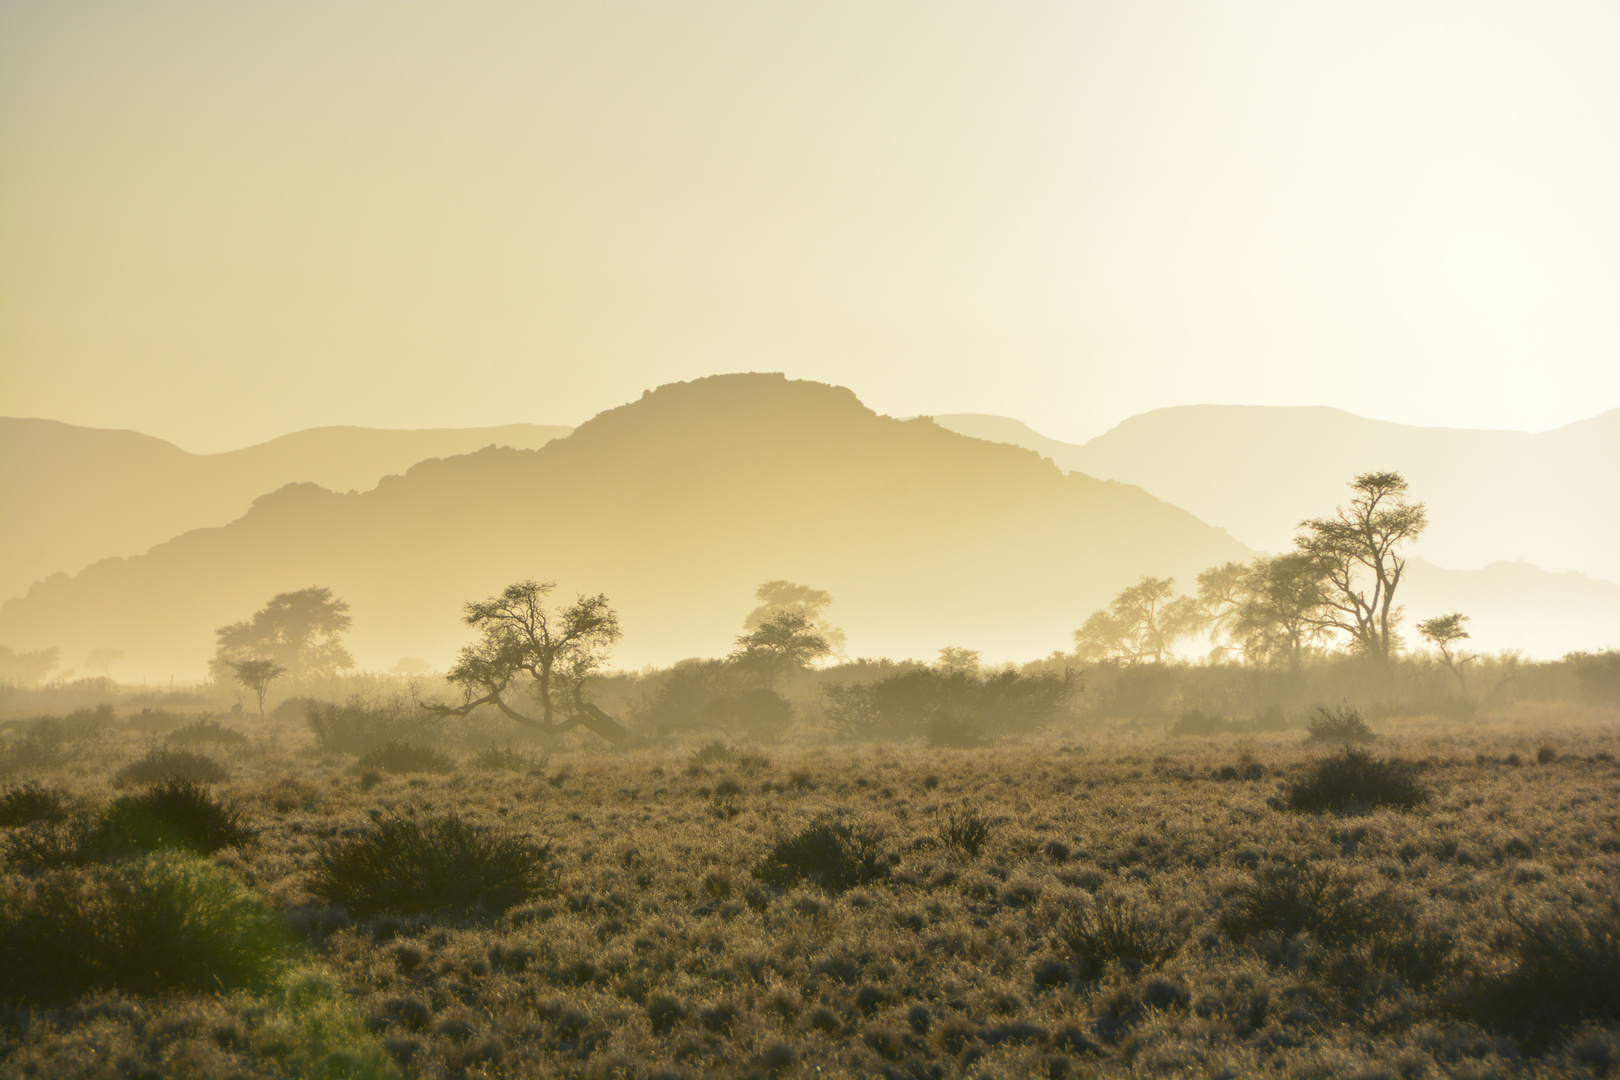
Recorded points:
1566,972
1354,780
966,832
397,757
163,764
24,804
1341,725
442,864
827,854
177,813
167,923
1113,930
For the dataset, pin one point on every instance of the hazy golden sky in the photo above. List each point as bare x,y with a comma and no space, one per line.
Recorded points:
224,221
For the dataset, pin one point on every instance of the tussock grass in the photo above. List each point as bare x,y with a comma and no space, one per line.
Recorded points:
1344,724
442,864
1113,929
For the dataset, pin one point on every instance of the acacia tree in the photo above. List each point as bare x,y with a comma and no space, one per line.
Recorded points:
778,596
788,640
300,631
1444,631
1356,554
525,648
257,675
1141,624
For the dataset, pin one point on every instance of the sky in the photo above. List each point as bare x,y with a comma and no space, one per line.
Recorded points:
223,222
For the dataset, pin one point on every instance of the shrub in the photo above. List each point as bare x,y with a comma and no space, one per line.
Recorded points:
1341,725
398,757
24,804
1197,722
827,854
1566,972
967,832
207,731
358,725
713,753
177,813
163,764
40,747
81,841
1353,780
1111,929
441,864
166,923
950,706
1293,899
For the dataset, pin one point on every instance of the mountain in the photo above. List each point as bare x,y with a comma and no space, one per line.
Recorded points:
1550,498
72,495
677,506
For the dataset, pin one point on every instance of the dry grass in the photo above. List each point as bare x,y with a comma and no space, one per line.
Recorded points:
1105,903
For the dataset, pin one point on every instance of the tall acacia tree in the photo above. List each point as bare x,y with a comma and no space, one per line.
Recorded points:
526,649
300,632
1356,553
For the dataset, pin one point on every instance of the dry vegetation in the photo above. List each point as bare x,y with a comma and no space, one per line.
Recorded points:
1094,900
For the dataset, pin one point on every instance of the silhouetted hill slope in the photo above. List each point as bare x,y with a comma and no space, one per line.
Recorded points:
677,506
1548,498
72,495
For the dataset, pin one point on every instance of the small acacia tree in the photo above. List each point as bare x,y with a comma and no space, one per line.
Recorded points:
525,648
257,675
1443,632
787,641
1141,625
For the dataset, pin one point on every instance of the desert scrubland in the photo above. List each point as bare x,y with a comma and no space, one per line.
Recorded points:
1303,892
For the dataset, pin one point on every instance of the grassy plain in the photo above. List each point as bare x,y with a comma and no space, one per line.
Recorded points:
1105,900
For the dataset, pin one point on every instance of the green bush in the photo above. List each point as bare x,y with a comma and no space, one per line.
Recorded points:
1354,780
396,757
177,813
167,923
24,804
433,865
163,764
827,854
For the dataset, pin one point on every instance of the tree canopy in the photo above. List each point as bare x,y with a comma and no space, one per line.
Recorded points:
299,631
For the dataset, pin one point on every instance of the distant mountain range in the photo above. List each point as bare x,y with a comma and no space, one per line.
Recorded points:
1551,498
70,496
677,506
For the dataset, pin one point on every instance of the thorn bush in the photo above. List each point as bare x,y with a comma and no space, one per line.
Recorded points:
160,764
24,804
177,813
1566,972
434,865
1353,780
827,854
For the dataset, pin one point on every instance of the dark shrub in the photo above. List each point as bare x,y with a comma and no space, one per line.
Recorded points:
440,864
40,747
164,764
967,832
398,757
24,804
1354,780
1111,929
206,731
1566,972
713,753
84,723
1341,725
177,813
827,854
1288,900
58,845
1197,722
167,923
952,707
